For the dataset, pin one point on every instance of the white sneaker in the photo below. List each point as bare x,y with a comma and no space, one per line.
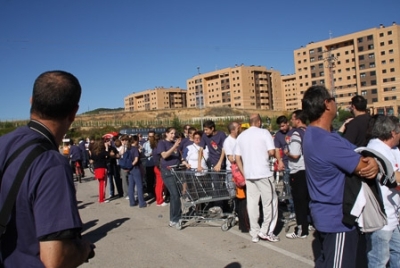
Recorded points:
311,228
294,236
255,239
127,197
106,201
172,224
162,205
271,237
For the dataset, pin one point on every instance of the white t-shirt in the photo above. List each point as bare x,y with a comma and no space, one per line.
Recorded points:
391,198
192,156
229,148
253,145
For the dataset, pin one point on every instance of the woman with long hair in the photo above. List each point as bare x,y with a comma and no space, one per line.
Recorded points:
99,156
170,156
159,189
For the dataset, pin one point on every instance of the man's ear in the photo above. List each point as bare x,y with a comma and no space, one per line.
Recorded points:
71,117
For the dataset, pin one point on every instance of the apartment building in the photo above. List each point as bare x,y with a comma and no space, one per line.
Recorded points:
245,87
364,63
156,99
291,96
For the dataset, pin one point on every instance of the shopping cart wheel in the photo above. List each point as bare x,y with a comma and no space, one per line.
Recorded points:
178,226
225,227
232,222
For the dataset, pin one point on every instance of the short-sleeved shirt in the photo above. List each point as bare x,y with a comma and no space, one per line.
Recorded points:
173,159
280,142
328,158
295,148
356,130
229,148
46,202
135,153
253,145
75,153
185,143
215,144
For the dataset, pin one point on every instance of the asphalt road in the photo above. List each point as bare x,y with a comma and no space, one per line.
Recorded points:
140,237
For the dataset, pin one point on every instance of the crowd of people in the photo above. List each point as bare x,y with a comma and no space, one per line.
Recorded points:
349,195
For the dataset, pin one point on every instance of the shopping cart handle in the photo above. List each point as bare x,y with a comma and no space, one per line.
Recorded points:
176,166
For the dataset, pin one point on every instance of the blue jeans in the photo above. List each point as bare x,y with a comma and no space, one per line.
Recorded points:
135,178
175,200
383,247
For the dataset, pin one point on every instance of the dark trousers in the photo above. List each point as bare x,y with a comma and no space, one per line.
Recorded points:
150,180
301,200
338,249
113,175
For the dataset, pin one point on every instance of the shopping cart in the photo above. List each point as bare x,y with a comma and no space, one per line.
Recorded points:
199,190
284,194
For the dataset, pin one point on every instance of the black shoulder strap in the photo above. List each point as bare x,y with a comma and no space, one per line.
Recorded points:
12,194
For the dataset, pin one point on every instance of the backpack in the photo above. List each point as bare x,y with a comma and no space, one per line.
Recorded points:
126,161
237,176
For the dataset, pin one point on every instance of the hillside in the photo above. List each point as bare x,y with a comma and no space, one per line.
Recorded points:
120,118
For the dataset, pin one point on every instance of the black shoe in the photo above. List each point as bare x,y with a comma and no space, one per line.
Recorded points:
166,200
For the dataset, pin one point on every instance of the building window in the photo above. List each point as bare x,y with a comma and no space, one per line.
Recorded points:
392,70
312,68
382,44
360,49
391,60
321,74
363,83
373,82
383,62
370,37
319,49
361,57
391,51
382,53
381,35
362,66
359,40
372,73
312,59
389,32
371,55
311,51
320,65
390,42
384,71
362,75
374,91
372,65
363,92
320,58
371,46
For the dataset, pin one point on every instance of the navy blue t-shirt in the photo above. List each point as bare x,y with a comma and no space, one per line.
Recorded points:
135,153
46,202
214,144
173,159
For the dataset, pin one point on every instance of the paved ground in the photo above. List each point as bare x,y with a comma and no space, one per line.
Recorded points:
140,237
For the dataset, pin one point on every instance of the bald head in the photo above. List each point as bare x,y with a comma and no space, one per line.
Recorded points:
255,120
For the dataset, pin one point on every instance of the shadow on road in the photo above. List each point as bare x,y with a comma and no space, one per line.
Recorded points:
100,232
89,224
82,206
233,265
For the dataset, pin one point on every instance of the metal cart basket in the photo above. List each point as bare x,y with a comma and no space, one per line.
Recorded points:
199,190
284,194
